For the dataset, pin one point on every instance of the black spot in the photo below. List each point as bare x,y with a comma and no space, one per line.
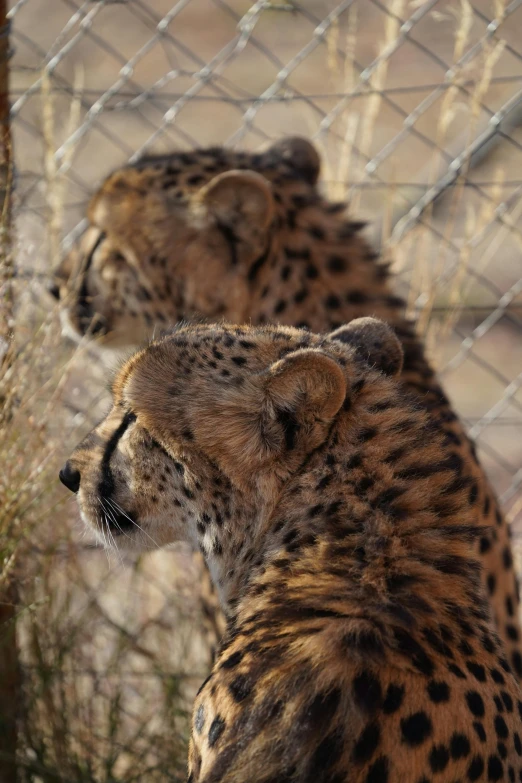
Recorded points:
517,743
240,688
438,758
435,641
394,699
416,729
485,545
322,710
475,703
367,691
332,302
497,676
479,730
232,660
413,650
495,768
488,643
311,272
367,743
509,606
459,746
501,727
325,756
297,253
280,307
508,701
477,670
366,642
507,558
239,360
466,648
323,483
366,434
378,772
362,486
290,536
317,232
516,660
216,730
438,691
336,264
357,297
476,768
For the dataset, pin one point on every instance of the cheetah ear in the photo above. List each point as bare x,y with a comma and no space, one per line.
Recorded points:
301,155
306,385
238,198
374,342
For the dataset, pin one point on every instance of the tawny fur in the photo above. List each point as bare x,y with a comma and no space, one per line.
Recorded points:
248,237
338,531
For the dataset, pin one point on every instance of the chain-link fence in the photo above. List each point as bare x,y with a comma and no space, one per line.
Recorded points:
416,108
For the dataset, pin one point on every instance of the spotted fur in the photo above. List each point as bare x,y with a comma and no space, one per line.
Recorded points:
249,237
338,532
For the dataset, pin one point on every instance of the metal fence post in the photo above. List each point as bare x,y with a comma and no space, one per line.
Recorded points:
9,669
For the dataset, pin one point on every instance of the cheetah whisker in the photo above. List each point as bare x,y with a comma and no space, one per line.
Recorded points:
107,512
118,508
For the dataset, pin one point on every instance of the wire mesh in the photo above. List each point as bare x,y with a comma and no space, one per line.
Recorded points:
415,106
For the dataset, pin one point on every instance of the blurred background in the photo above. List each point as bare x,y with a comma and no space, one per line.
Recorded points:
416,108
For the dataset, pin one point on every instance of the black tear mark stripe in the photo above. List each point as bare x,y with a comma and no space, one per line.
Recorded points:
94,248
106,486
85,310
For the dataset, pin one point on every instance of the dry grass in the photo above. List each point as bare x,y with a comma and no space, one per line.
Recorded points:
105,690
106,683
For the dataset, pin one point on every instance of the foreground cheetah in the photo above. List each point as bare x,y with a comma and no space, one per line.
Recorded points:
248,237
337,530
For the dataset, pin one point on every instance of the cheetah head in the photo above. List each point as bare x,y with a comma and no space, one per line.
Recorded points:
208,423
176,237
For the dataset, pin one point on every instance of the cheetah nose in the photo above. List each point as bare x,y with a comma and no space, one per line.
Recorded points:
70,477
54,290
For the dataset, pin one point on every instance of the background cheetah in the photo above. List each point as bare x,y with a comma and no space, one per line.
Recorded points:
338,532
249,237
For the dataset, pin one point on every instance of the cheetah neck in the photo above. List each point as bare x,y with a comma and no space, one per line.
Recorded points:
321,273
377,516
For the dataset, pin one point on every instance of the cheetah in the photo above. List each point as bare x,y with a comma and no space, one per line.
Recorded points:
248,237
338,532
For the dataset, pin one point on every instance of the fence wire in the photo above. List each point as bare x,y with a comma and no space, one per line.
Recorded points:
416,108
